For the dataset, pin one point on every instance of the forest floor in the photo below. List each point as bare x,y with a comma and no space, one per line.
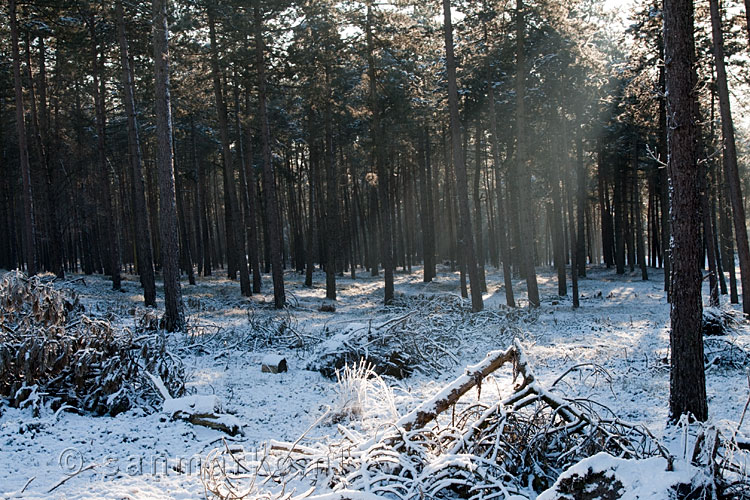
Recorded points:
621,326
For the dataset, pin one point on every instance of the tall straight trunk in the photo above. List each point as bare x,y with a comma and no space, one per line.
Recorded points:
251,218
637,212
174,315
666,228
381,166
727,241
478,205
502,221
144,252
113,252
41,124
269,183
425,212
333,242
309,244
467,239
558,236
687,378
573,242
186,256
582,184
730,158
619,207
234,231
523,175
28,199
708,238
606,219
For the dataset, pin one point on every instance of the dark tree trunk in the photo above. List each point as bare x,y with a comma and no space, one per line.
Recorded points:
234,233
730,158
573,252
502,224
426,207
333,242
174,315
467,239
251,218
637,212
478,206
28,199
382,168
558,236
687,379
269,183
582,183
144,251
523,176
113,251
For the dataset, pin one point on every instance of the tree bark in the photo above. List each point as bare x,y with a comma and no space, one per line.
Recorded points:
383,181
174,315
730,158
234,231
687,378
502,224
333,242
469,256
269,183
145,257
28,199
113,246
523,176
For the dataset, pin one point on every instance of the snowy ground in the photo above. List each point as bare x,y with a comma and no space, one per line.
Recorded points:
621,325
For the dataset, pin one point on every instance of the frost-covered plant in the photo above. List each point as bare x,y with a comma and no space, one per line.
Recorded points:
362,393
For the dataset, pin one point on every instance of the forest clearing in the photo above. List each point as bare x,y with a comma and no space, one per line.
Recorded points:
367,250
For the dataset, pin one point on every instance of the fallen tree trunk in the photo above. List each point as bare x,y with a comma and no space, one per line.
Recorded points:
428,410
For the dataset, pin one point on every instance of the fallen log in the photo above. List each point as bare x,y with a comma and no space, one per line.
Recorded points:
430,409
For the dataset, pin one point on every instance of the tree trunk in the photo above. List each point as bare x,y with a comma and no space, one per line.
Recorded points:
144,251
425,212
269,183
730,158
113,252
174,316
333,242
382,168
687,378
523,175
637,212
478,206
251,219
558,236
28,199
468,258
234,231
582,184
502,224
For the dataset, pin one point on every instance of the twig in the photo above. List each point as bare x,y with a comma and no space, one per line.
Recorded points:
66,479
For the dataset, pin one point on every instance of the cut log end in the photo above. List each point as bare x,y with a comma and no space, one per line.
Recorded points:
273,363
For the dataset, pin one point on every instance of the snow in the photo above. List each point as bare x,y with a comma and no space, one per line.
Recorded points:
192,405
272,359
621,327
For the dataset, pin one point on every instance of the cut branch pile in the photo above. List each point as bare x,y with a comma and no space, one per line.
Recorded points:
50,352
514,446
421,333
